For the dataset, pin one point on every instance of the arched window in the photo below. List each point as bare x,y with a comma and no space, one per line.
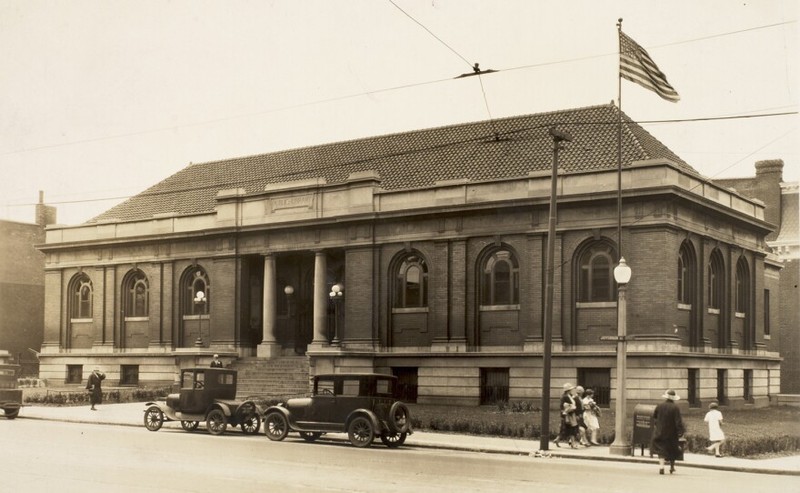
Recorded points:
596,279
500,279
742,286
137,295
82,295
716,280
197,282
685,275
411,282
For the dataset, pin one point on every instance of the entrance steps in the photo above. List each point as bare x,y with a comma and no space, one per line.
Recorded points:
278,377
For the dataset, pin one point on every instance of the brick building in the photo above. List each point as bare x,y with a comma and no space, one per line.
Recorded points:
782,202
22,287
436,241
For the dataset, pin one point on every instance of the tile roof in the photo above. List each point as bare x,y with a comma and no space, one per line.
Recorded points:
492,149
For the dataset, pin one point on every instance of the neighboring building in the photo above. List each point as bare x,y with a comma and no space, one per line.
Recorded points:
436,240
22,287
782,203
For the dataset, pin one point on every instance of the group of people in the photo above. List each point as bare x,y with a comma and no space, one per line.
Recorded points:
579,417
580,413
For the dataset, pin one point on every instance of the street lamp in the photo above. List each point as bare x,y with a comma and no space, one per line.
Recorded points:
621,445
558,136
336,295
200,299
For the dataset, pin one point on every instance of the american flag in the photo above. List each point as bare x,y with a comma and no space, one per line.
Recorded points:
637,66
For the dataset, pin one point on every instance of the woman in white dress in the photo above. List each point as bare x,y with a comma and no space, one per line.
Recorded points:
715,434
591,411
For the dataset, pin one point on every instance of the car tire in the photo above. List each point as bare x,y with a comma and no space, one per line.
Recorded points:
399,418
276,426
216,422
190,425
250,424
310,436
11,413
393,440
153,418
361,432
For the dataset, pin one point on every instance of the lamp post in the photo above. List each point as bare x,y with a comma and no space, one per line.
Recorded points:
621,445
336,295
200,299
544,440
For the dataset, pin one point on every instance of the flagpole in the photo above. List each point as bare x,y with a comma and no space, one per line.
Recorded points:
619,141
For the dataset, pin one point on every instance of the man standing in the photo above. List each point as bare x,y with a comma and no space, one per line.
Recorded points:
668,429
216,363
93,385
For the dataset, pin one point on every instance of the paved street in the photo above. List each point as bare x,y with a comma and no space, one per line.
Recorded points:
79,457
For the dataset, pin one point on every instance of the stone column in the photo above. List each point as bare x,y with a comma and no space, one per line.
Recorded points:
269,347
320,299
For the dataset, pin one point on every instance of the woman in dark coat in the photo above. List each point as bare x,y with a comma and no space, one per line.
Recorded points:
668,429
94,388
569,422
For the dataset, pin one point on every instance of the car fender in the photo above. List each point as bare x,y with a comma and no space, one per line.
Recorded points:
222,406
376,423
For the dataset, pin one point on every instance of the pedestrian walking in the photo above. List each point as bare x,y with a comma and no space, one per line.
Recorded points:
579,392
591,416
569,420
715,434
93,385
668,431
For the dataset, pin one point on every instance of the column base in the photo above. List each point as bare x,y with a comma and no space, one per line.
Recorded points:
268,350
621,449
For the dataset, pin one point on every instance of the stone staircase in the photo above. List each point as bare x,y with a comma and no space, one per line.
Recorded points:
279,377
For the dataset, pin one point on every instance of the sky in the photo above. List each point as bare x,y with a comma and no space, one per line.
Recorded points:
103,99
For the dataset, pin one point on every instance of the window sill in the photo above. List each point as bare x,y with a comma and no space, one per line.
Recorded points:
81,320
739,315
767,337
684,307
713,311
499,308
196,317
596,304
137,319
419,309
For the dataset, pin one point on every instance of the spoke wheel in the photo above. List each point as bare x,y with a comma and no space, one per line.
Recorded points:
190,425
399,420
310,436
251,423
11,413
153,418
216,422
361,432
275,426
393,440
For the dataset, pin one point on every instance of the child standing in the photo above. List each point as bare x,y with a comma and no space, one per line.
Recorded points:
715,434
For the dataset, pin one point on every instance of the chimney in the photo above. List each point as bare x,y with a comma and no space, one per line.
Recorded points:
45,214
769,174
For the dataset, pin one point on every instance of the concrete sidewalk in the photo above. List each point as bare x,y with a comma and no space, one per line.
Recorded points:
132,415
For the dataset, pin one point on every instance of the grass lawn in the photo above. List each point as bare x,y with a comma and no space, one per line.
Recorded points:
749,432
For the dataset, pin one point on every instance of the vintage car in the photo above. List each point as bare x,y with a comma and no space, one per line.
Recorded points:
362,405
10,395
206,394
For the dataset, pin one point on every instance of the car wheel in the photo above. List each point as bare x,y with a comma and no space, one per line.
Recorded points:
361,432
310,436
153,418
393,440
251,423
190,425
399,420
11,413
216,422
276,426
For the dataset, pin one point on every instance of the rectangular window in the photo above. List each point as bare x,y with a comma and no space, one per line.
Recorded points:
766,312
494,385
599,380
694,385
748,385
722,384
129,375
407,386
74,373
